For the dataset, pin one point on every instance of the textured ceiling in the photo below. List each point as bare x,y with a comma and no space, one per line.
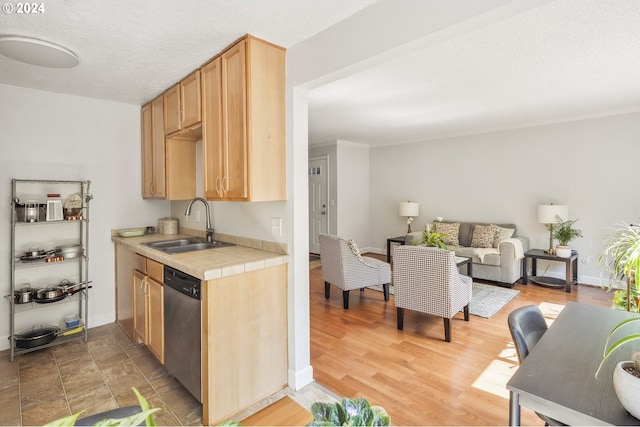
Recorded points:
132,50
558,60
563,60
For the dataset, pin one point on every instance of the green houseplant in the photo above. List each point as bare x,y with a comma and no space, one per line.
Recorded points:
432,239
626,374
564,232
133,420
347,412
622,259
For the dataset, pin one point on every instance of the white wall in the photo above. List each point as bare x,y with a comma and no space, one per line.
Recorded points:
53,136
353,192
502,177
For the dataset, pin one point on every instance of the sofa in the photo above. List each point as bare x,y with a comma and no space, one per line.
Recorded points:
496,251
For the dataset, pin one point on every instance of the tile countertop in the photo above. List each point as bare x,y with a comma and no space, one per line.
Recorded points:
206,264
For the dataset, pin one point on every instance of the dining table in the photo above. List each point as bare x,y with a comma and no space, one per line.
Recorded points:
557,378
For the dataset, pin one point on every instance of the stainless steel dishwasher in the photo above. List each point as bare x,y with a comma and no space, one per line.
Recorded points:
182,329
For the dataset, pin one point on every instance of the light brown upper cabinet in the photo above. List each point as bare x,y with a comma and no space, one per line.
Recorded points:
183,105
153,150
168,164
243,126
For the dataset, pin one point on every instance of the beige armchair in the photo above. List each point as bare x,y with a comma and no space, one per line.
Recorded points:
344,267
427,280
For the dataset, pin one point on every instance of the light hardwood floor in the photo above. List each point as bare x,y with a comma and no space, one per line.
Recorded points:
414,374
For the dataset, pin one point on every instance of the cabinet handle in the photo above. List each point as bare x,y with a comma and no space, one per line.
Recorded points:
178,113
225,188
218,185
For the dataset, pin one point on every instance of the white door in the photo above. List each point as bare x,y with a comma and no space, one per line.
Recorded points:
318,222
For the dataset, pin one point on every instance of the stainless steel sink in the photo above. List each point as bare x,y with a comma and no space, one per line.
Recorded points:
188,244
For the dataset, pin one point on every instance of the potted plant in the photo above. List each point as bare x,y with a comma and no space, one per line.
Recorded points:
622,258
622,254
626,374
357,412
564,232
128,416
432,239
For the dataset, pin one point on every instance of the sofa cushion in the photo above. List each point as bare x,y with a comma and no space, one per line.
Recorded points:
503,233
450,231
483,236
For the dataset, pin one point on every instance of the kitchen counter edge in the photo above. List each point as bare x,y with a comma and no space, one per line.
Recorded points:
207,264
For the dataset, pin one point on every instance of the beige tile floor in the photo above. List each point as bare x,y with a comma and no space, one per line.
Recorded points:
97,376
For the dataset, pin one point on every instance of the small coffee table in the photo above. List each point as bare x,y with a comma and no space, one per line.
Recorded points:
571,265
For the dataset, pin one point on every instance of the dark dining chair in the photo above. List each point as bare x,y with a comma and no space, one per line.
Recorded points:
527,326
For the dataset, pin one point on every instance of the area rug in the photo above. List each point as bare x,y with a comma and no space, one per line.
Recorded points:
486,301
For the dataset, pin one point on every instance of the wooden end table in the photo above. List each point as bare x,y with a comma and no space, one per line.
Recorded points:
398,239
571,265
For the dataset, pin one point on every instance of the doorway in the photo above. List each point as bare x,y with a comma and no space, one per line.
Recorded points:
318,196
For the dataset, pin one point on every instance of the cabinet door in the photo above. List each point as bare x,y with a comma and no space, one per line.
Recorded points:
153,149
212,129
147,150
140,306
191,106
126,262
155,309
172,109
157,112
234,122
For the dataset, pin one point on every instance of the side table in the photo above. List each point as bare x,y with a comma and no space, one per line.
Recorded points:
398,239
571,265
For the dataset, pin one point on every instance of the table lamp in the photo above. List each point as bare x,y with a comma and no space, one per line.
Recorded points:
410,210
552,214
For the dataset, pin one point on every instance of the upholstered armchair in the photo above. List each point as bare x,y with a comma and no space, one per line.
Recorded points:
427,280
344,267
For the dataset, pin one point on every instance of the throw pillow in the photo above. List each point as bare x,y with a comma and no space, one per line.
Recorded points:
503,233
483,236
354,248
450,231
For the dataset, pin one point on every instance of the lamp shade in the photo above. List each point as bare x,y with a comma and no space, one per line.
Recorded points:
410,209
550,214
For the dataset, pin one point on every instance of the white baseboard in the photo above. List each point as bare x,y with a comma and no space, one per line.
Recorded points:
301,378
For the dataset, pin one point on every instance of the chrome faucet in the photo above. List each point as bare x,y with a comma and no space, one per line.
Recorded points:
210,231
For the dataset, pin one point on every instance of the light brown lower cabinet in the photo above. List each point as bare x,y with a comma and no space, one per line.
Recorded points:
244,347
148,309
126,262
155,317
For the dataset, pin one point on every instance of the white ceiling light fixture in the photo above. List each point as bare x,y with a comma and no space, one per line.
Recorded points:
37,52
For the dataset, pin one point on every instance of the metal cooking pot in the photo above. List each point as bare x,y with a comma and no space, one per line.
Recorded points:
49,294
23,295
35,254
36,336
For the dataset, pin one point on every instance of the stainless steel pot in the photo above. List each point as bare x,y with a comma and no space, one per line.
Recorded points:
70,251
23,295
36,336
49,294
